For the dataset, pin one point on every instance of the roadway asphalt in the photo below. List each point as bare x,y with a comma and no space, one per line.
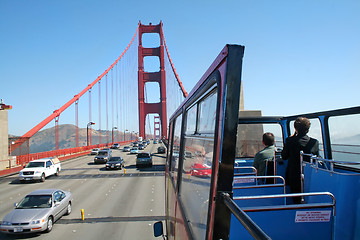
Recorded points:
117,205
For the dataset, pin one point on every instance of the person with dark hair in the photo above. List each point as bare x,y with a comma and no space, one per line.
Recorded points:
300,141
264,155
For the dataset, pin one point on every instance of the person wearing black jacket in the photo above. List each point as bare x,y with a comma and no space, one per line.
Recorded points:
300,141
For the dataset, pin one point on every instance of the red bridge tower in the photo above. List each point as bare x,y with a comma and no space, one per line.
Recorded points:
159,77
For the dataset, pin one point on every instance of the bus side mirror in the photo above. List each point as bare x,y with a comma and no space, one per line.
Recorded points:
158,229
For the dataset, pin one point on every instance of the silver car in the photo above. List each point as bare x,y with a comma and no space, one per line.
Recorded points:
37,212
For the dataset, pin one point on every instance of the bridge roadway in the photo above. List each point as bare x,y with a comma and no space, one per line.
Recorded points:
116,205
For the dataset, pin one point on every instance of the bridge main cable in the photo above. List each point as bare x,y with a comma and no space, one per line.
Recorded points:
57,112
172,65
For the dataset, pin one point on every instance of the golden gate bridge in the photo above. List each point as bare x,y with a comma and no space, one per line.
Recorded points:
117,100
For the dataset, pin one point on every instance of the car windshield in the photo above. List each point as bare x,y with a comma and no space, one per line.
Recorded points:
35,201
95,149
35,164
134,148
103,153
143,155
114,159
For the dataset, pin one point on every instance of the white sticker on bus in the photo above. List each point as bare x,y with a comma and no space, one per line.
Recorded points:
312,216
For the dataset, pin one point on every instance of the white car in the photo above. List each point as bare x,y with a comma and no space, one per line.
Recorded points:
95,151
134,150
126,149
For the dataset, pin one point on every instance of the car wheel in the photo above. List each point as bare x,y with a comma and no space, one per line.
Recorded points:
69,209
57,172
42,179
49,225
22,181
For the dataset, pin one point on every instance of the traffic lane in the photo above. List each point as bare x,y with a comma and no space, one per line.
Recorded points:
82,185
111,204
124,211
12,191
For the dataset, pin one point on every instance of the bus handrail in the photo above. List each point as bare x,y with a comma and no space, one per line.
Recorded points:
263,185
243,218
254,171
293,206
262,177
314,160
249,167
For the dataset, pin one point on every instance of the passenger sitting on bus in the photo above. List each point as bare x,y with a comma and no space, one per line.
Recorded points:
264,155
300,141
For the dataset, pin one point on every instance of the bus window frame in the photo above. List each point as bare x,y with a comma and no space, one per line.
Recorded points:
228,67
210,85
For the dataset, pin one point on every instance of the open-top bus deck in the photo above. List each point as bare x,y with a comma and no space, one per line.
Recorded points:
212,190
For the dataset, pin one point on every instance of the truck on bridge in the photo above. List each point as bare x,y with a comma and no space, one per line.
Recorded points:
40,169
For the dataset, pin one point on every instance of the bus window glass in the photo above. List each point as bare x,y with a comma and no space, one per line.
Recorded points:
345,138
207,114
314,132
170,143
249,140
196,177
176,148
191,120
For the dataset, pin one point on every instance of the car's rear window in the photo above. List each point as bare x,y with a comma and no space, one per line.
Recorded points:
103,153
114,159
142,155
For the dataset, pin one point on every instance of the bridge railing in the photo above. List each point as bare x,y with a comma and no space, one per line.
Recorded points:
16,163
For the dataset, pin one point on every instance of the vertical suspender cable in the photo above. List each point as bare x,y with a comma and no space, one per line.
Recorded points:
112,101
90,116
100,112
77,122
107,113
117,101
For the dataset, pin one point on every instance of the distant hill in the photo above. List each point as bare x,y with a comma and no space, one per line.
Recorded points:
349,140
44,140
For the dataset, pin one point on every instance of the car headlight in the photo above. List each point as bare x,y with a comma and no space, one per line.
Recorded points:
5,223
35,222
118,164
107,164
37,172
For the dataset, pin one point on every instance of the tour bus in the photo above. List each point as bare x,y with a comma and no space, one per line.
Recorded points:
213,190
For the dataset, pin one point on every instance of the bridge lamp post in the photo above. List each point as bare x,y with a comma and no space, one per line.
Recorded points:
87,132
125,134
112,134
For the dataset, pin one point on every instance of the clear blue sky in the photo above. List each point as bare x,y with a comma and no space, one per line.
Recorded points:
300,56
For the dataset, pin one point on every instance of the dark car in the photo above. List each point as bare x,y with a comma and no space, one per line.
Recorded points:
141,146
144,159
115,163
161,149
103,156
